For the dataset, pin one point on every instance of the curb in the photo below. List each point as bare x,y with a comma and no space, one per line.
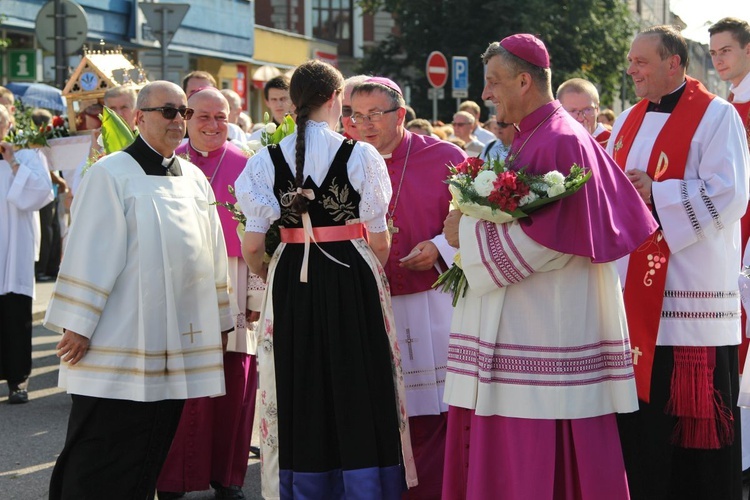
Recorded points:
37,317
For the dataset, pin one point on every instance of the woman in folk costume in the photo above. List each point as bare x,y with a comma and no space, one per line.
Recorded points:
333,419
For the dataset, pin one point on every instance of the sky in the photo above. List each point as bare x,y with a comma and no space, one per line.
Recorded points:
700,14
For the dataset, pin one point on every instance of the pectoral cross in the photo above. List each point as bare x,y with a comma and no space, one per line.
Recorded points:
636,354
192,333
391,228
409,341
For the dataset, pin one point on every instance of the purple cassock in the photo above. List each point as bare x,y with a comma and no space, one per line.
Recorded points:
213,438
587,223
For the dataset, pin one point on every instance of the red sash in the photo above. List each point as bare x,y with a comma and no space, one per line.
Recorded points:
647,270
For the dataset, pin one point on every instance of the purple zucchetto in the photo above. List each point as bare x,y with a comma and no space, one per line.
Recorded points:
527,47
386,82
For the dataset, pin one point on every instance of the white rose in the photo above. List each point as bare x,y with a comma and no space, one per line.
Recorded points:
270,128
483,183
555,189
532,196
253,145
553,178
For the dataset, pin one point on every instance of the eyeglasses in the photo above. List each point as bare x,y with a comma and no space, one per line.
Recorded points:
170,112
372,117
460,124
503,124
586,112
346,111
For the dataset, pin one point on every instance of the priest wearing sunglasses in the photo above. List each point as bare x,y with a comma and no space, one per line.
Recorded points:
141,301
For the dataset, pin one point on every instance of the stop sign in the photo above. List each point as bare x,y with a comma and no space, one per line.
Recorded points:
437,69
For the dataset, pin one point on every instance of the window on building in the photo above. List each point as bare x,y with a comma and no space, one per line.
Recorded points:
332,21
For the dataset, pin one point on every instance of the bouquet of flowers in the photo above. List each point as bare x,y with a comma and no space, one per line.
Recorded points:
490,191
27,134
271,135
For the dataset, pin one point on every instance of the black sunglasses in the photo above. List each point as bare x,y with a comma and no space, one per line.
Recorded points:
503,124
170,112
346,111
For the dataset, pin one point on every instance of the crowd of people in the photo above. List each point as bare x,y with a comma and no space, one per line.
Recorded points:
596,354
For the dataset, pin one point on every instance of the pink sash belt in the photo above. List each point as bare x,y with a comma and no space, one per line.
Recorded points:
325,233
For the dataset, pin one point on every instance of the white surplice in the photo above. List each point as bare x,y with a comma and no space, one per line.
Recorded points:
144,277
700,217
540,334
21,196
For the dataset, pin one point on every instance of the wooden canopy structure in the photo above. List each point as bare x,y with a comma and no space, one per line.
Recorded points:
98,72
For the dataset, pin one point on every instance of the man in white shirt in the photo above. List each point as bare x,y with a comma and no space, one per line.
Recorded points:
483,135
730,53
463,123
276,96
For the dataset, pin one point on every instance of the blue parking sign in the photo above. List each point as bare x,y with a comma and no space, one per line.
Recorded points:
460,73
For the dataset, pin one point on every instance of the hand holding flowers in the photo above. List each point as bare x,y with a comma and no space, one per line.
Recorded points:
490,191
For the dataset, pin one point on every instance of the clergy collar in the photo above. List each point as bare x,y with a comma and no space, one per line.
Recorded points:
742,91
206,154
536,117
667,103
151,161
166,162
400,151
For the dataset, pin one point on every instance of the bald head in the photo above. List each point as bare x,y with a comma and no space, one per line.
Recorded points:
207,128
160,132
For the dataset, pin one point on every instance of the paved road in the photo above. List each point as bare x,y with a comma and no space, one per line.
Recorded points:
32,435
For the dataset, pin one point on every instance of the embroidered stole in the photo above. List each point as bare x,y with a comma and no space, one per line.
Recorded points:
647,270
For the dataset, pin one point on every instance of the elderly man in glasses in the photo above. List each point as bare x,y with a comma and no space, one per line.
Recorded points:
463,123
142,303
580,99
418,250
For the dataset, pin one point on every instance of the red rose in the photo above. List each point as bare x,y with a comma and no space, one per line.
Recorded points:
58,121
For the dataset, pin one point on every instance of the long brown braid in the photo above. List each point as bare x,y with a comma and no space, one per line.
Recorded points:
311,87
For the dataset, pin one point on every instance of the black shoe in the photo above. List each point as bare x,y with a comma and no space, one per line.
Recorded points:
227,492
18,397
169,495
255,451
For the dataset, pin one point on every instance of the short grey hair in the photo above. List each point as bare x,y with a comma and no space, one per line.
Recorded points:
123,90
542,77
367,88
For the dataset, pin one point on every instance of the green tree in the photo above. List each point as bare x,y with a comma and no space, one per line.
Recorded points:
4,42
585,38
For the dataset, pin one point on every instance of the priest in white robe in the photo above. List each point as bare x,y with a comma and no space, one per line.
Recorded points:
142,300
686,153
